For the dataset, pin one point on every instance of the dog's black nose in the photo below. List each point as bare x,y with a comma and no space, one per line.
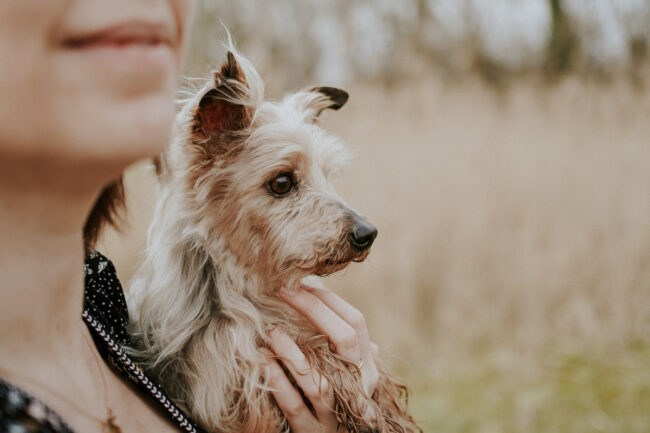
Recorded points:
363,234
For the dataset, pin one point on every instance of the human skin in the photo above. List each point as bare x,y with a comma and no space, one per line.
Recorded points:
76,110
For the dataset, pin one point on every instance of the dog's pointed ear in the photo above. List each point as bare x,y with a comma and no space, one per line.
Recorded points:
328,98
223,109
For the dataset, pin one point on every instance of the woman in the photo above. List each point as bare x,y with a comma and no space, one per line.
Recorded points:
87,88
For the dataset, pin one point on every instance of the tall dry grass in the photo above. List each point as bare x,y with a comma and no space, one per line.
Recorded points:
516,221
511,224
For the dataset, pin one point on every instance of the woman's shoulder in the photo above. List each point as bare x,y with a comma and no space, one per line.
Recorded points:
106,315
104,300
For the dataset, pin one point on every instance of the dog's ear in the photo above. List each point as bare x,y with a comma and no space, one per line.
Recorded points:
328,98
223,110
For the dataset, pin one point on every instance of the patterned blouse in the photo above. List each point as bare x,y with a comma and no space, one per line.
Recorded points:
106,316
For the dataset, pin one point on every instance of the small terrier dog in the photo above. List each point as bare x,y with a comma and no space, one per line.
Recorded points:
247,207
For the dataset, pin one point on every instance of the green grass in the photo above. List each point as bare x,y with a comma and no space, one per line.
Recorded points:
608,392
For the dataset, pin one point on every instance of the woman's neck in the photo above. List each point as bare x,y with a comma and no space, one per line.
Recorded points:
41,263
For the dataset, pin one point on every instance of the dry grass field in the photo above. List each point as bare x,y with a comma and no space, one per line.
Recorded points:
510,282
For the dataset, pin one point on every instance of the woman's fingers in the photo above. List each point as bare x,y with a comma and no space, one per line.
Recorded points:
289,399
290,353
312,384
343,336
344,312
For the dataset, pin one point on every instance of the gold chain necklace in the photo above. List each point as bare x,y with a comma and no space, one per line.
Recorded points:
108,425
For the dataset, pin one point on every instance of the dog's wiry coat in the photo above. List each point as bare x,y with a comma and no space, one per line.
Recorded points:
221,245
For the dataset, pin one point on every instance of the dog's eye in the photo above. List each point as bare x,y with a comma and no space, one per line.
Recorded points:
281,185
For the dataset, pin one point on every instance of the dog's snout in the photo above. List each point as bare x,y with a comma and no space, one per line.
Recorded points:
363,234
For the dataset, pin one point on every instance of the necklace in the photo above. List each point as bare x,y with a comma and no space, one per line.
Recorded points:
108,425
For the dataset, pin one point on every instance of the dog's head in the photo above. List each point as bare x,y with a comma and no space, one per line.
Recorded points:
259,176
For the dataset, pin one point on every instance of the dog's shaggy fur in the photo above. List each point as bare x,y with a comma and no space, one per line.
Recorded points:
222,243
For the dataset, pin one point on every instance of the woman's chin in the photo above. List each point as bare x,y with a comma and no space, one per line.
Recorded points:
124,132
88,126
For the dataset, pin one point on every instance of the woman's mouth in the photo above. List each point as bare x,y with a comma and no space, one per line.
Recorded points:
145,46
134,33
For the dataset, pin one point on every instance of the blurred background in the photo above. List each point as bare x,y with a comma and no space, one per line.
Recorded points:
502,149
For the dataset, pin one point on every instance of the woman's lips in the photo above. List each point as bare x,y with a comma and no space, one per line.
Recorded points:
145,46
102,41
122,34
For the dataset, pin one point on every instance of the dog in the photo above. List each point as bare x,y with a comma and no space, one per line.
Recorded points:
246,207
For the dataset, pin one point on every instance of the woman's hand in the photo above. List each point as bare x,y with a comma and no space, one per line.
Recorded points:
346,329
